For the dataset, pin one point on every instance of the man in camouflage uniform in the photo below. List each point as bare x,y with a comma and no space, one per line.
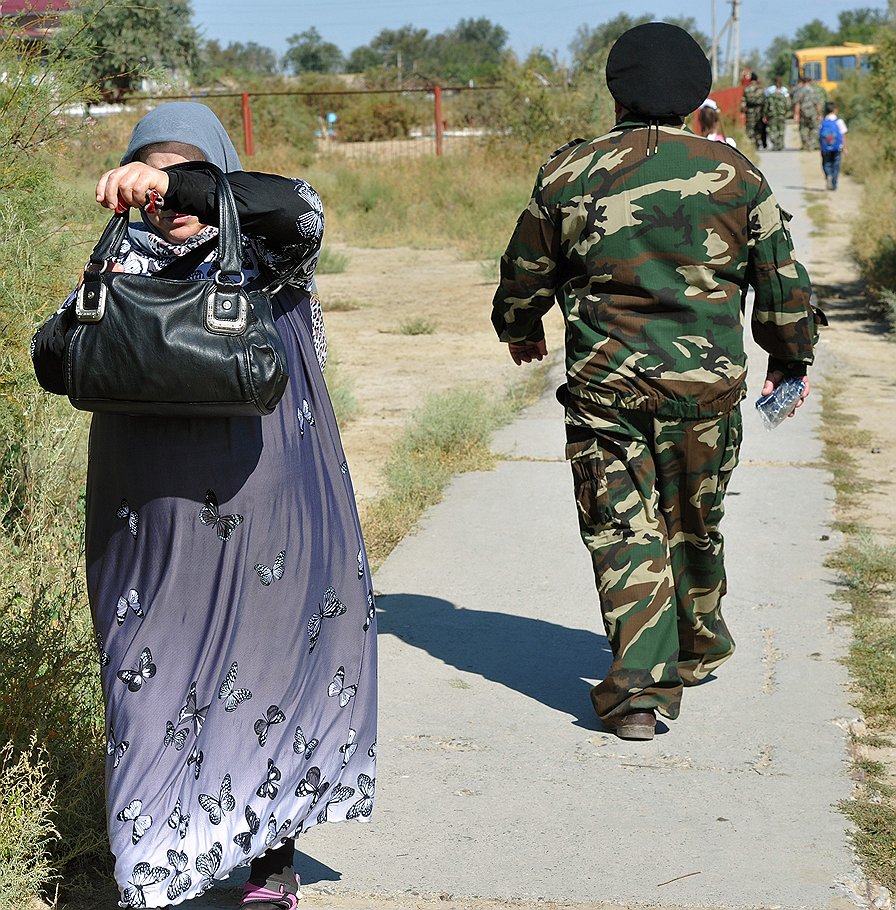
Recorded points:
808,102
648,238
776,109
751,107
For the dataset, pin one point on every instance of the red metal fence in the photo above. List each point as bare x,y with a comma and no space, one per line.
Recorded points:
383,123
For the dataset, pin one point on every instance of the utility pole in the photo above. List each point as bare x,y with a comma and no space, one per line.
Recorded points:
735,33
714,53
732,51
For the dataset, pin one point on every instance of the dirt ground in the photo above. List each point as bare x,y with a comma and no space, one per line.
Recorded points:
392,372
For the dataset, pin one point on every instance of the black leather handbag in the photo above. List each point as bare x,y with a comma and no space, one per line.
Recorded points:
149,345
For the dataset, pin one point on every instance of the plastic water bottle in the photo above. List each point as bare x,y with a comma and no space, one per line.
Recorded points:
780,404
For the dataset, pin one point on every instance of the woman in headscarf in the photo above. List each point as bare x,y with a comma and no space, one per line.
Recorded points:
226,572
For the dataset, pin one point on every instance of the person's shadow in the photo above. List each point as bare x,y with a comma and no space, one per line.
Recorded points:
540,659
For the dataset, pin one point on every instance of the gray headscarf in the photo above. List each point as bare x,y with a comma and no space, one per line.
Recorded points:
188,122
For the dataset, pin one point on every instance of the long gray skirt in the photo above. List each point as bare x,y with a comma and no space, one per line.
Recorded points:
234,616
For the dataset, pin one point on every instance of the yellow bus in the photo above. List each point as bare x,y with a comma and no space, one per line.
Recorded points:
829,65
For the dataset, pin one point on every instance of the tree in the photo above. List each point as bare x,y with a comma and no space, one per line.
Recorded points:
117,44
406,47
589,42
778,56
861,25
814,34
239,58
689,24
473,49
361,59
309,53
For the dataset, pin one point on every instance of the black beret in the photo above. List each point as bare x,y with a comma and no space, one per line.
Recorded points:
659,71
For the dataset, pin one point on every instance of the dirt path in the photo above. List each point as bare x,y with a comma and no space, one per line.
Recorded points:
371,307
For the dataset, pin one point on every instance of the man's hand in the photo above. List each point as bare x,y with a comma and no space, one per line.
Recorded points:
527,351
775,378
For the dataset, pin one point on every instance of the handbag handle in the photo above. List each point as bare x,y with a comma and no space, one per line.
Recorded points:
229,253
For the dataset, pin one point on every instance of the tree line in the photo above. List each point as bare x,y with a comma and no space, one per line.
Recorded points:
109,39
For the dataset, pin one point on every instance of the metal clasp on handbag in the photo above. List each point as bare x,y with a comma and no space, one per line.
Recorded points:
90,304
226,307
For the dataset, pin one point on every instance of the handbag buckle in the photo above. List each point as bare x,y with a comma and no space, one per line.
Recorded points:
226,309
90,304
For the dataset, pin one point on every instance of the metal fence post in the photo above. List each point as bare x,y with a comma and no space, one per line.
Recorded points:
437,92
248,131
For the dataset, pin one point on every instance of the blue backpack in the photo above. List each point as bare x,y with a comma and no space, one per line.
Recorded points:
830,137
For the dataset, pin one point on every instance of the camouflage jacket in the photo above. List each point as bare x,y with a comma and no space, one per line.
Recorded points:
777,104
650,258
752,96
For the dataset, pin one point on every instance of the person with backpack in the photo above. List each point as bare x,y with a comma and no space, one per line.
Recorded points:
832,138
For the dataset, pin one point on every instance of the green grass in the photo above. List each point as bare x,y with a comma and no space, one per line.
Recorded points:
447,435
416,326
340,304
332,262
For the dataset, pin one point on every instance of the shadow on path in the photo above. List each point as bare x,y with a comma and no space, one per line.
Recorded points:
539,659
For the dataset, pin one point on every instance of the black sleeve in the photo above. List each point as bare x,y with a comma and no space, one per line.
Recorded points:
48,350
269,206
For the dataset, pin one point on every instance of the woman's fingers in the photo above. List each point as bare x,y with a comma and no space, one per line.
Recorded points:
129,184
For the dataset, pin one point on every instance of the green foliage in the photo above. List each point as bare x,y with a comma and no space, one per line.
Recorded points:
331,262
26,825
49,687
416,326
238,60
115,43
592,42
814,34
309,53
861,25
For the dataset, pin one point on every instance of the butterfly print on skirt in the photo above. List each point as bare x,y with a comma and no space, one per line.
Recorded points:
210,515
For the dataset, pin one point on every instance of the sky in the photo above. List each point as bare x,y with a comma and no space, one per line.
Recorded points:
530,23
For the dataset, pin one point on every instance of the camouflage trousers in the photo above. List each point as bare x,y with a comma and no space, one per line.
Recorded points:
753,125
809,133
650,496
776,132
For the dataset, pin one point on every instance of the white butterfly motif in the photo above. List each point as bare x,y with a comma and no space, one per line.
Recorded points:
233,697
361,562
116,749
133,519
371,610
304,745
218,808
174,737
144,670
273,833
195,757
132,813
263,725
207,864
142,876
348,748
192,712
337,688
178,821
211,516
364,806
243,840
338,794
305,417
269,574
182,880
269,786
312,785
332,607
130,600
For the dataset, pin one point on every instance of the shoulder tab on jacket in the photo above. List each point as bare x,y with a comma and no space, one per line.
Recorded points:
563,148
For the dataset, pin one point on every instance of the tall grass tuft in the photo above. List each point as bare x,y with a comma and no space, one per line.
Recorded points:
332,262
447,435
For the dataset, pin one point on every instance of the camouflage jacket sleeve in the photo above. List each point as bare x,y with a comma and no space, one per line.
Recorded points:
529,272
783,320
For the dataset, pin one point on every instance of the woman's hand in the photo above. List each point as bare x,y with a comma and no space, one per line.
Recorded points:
129,184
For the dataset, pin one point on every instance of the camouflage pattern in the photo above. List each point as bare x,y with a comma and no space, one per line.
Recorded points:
811,110
776,107
650,256
751,105
653,535
648,238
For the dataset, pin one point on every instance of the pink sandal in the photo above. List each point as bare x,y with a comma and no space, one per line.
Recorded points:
274,894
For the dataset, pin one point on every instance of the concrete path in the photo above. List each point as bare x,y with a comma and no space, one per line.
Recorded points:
496,781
